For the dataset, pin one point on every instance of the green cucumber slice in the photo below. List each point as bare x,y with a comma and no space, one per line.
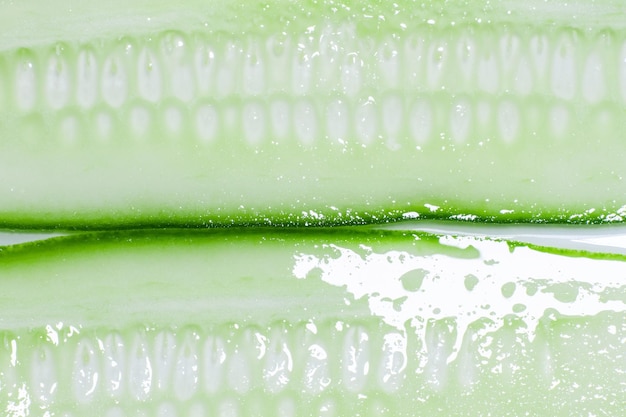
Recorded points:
146,114
330,322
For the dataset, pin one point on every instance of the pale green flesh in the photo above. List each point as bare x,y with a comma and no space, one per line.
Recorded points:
304,323
494,116
150,114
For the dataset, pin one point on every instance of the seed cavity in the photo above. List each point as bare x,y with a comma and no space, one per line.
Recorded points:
466,84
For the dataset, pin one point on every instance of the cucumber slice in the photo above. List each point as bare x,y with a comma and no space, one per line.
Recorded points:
308,323
146,114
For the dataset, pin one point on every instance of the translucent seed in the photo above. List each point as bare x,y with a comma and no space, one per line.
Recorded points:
544,357
593,79
331,47
540,57
278,50
523,78
328,408
508,352
5,92
228,408
563,72
85,373
510,53
253,71
149,76
440,339
70,127
43,375
166,410
240,367
174,119
316,368
238,372
461,121
141,121
164,354
186,374
114,365
436,63
508,121
392,363
389,67
254,122
115,412
207,123
139,374
228,60
414,57
177,60
114,84
197,410
57,78
280,115
25,80
305,122
621,64
468,358
302,75
351,73
337,120
355,359
484,115
87,78
421,121
559,120
465,55
488,74
278,362
205,66
286,408
366,121
214,358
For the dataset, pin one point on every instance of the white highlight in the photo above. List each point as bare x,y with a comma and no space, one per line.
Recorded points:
568,285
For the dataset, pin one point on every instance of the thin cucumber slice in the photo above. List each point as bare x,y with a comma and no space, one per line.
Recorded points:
337,322
146,114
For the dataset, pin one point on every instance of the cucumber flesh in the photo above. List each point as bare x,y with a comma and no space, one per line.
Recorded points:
308,323
253,113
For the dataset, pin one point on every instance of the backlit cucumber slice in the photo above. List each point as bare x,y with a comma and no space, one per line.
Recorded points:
141,113
308,323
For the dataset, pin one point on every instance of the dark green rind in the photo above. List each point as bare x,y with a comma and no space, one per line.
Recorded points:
121,220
